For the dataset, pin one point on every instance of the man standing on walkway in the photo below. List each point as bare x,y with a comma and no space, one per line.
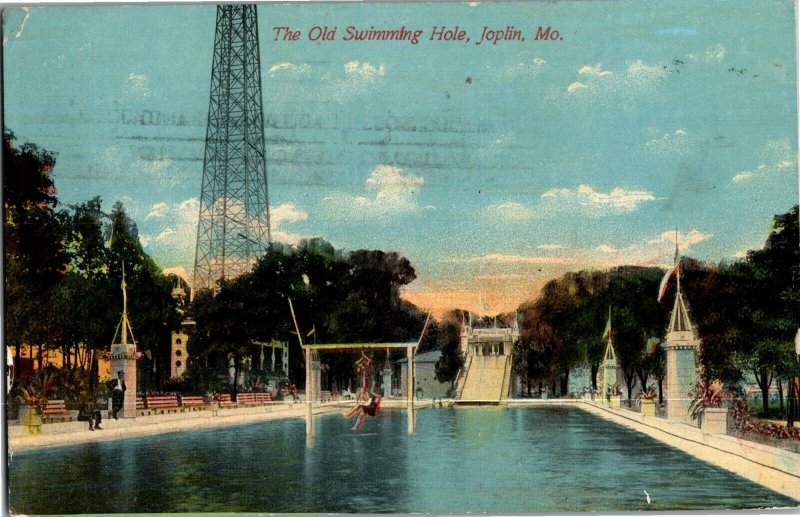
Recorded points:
117,388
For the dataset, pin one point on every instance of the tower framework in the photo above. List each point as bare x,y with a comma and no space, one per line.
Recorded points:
233,228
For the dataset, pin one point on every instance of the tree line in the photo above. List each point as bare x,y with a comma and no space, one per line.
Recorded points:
746,312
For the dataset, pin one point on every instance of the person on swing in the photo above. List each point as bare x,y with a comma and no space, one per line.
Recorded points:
364,406
365,410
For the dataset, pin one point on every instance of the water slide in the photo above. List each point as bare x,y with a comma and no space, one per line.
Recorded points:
485,379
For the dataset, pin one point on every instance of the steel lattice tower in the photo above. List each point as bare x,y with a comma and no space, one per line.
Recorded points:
234,227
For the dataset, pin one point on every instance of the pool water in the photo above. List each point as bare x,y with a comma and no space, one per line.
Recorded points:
459,460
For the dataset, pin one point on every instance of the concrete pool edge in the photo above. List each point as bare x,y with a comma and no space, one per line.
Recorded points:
773,468
74,433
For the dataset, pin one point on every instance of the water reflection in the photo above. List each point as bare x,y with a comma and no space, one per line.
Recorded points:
458,460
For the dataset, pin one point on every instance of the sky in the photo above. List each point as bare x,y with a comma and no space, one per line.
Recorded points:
492,167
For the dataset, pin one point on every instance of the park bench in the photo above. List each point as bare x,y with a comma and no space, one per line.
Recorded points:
247,399
165,403
325,396
263,398
56,410
139,403
193,402
225,401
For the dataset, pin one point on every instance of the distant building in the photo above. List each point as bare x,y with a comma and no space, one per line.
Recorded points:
424,375
179,342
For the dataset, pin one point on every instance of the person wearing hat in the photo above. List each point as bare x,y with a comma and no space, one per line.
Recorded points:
117,388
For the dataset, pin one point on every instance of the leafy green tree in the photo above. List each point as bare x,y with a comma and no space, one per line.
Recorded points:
638,317
152,308
344,299
35,258
565,323
449,342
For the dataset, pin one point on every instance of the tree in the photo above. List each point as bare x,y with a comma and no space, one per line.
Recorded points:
638,317
344,299
767,303
449,342
35,258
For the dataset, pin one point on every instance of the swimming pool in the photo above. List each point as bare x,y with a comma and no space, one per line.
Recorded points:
459,460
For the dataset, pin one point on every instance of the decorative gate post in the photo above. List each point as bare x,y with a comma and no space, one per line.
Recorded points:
124,357
682,347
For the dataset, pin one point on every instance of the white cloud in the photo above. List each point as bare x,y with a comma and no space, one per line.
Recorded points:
175,227
157,210
289,68
646,252
550,246
525,69
715,54
585,199
190,204
286,212
623,88
144,239
501,276
166,234
363,70
391,183
595,71
282,214
741,254
576,86
395,193
350,82
685,240
521,259
777,155
673,144
509,212
775,150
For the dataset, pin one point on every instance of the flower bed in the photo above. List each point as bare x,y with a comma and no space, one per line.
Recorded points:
744,426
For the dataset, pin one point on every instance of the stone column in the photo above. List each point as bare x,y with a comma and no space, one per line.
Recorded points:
609,378
123,358
681,378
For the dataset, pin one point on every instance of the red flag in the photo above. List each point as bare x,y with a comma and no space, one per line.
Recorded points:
662,289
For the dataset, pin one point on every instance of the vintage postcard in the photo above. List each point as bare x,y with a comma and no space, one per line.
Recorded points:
401,257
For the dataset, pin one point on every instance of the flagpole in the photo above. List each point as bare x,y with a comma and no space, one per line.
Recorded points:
675,262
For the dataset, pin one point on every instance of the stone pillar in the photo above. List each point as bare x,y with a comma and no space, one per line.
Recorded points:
123,358
316,372
609,378
681,378
387,381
